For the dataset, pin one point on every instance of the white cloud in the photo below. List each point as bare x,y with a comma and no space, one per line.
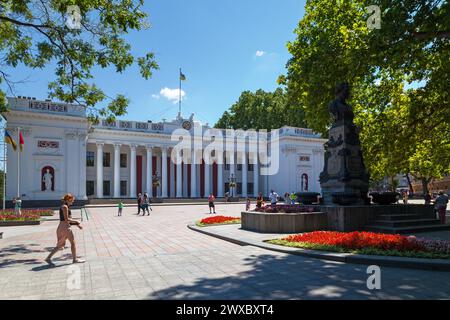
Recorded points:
172,95
260,53
155,96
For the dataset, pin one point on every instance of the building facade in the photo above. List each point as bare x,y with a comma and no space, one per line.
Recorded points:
63,153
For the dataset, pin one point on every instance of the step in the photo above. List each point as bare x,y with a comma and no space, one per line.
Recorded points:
404,223
407,230
400,216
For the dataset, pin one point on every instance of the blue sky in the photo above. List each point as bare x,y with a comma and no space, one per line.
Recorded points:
216,45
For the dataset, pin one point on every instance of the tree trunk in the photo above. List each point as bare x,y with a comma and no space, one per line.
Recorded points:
425,183
411,189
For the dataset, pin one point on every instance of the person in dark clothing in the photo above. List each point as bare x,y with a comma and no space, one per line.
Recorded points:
139,202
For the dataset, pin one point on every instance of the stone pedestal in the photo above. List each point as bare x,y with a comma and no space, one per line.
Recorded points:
344,180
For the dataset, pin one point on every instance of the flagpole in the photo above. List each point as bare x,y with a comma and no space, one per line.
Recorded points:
179,107
18,163
4,175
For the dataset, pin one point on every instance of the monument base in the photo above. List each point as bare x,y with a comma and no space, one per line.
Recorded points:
381,218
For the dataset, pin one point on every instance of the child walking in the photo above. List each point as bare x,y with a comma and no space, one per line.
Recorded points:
211,200
247,205
120,206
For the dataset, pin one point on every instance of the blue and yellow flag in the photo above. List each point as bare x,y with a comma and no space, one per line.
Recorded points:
10,140
182,76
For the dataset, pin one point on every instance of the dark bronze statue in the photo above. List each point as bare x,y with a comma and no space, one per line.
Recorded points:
344,179
339,108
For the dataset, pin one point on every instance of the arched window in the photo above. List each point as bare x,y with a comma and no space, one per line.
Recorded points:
48,179
304,182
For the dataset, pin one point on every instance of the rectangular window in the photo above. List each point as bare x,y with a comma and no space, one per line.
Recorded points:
106,188
250,188
227,167
250,167
90,158
90,188
123,188
106,159
239,188
123,160
239,167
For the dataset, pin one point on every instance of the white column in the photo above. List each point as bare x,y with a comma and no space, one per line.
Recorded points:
220,192
255,175
99,170
149,185
194,193
244,174
207,180
82,193
133,171
164,182
185,181
116,170
179,193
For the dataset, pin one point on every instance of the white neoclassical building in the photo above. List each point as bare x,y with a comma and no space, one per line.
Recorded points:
64,153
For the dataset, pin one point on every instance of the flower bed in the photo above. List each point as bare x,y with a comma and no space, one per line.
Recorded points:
218,220
287,208
22,217
39,212
369,243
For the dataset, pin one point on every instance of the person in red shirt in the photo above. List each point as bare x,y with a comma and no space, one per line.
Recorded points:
211,200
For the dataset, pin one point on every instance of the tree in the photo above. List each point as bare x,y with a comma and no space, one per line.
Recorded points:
76,39
399,76
261,110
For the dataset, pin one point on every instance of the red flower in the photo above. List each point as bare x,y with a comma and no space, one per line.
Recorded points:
359,240
218,219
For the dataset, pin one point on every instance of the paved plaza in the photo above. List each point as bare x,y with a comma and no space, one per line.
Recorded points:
158,257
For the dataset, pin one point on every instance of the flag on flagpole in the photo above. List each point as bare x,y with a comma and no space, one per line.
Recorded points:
10,140
182,76
21,141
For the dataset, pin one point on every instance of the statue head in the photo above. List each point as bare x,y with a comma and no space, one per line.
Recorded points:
48,170
342,91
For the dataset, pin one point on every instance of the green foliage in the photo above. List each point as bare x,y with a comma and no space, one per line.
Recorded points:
35,34
261,110
399,76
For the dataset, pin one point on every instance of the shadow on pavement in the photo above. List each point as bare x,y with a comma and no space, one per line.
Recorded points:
293,277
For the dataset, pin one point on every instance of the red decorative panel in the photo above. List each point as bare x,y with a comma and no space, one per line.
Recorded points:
215,184
202,179
168,176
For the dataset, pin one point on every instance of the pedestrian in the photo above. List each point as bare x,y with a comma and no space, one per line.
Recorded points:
287,199
17,206
259,201
293,197
405,197
120,206
427,198
273,198
227,195
139,202
211,200
440,204
146,204
247,204
64,231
